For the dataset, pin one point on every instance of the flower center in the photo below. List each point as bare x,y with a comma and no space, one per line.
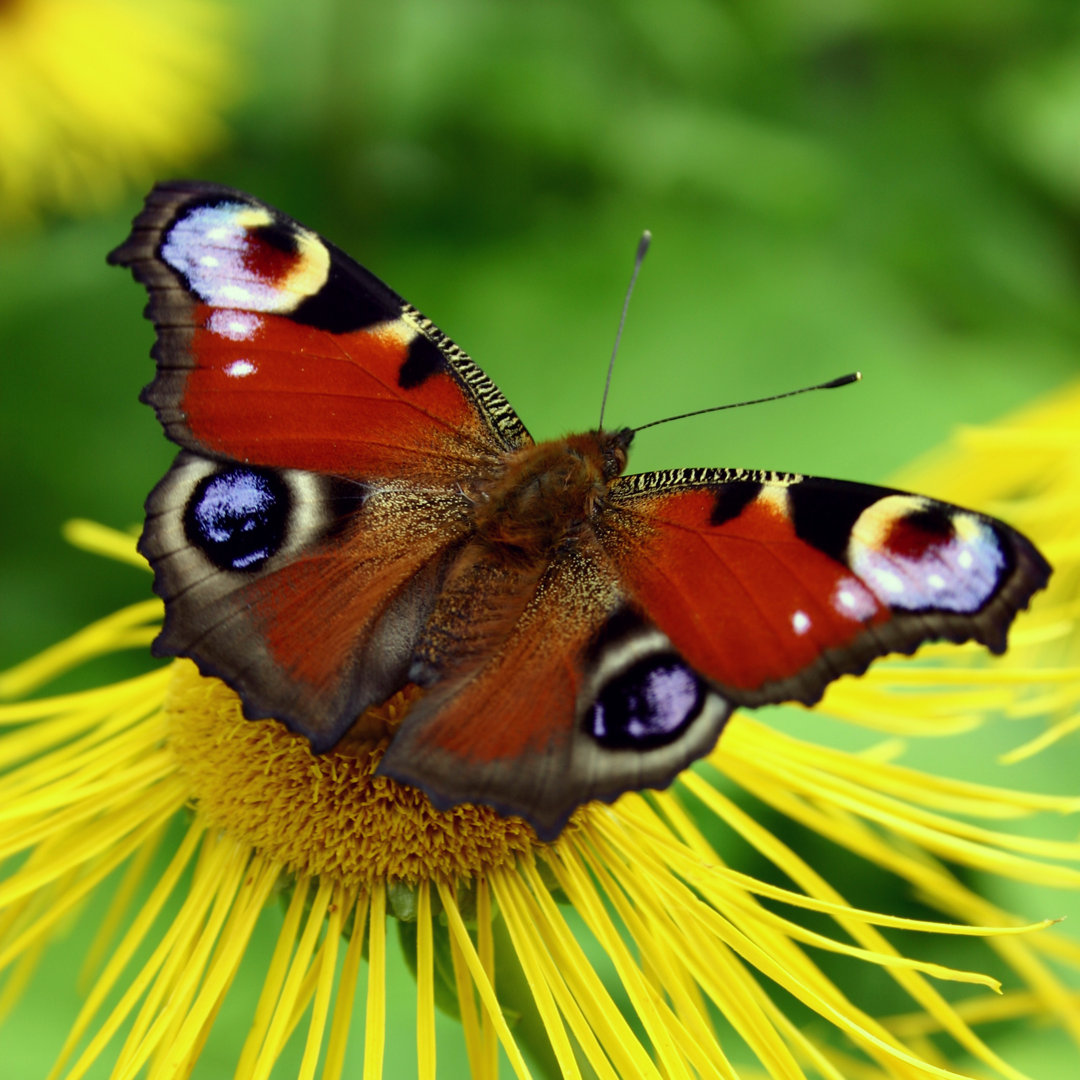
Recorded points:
327,814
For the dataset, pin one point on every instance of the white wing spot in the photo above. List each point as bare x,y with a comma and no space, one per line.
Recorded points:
208,260
891,582
234,325
239,368
853,600
238,293
800,622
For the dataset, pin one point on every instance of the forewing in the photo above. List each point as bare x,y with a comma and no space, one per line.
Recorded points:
276,348
771,585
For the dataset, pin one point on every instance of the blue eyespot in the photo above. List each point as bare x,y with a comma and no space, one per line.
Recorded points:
238,517
650,704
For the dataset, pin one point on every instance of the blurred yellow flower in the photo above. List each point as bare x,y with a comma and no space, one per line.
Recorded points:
95,94
95,781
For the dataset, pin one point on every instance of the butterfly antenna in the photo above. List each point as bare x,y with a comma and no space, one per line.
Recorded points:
832,384
639,258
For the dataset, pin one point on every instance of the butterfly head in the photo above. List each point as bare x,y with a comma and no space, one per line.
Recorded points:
614,449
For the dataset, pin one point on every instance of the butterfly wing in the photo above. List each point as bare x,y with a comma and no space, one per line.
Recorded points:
305,593
547,690
277,349
326,427
699,591
772,585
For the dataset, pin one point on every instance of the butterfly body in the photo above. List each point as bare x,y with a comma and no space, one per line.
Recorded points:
356,507
542,496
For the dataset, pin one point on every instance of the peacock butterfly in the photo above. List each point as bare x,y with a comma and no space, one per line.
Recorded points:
356,507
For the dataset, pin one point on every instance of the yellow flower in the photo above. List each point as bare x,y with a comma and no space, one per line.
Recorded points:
702,958
98,93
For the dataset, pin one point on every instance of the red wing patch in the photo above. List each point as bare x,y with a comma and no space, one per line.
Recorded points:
271,391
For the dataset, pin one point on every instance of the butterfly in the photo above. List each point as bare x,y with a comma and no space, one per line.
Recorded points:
356,507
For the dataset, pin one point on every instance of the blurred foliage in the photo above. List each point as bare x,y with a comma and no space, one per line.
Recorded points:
884,185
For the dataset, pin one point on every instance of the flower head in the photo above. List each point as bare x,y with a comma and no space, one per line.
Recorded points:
704,958
94,95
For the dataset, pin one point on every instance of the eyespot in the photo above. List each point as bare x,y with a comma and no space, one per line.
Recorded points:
238,517
917,555
649,704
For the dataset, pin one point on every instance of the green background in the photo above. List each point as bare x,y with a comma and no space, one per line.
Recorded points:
831,184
